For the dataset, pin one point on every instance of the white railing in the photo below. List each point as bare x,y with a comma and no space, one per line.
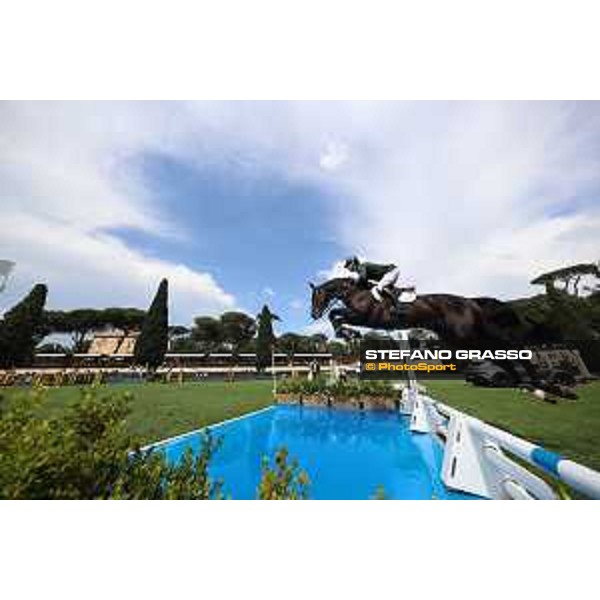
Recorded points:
475,460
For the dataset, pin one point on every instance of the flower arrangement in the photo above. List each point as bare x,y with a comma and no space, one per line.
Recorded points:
354,394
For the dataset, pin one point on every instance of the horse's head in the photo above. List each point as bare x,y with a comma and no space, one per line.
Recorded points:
319,300
323,295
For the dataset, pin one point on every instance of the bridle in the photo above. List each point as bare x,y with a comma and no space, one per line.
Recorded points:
339,294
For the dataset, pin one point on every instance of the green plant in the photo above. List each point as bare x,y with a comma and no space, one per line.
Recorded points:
340,390
378,388
86,452
22,329
265,338
291,385
149,476
238,328
380,493
81,322
283,480
317,385
152,343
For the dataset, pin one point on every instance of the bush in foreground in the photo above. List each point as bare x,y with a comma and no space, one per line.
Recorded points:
87,453
283,481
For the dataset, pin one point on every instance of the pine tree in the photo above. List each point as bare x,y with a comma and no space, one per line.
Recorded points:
153,341
265,338
22,328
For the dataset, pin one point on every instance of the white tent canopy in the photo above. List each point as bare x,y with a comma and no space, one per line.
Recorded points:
6,266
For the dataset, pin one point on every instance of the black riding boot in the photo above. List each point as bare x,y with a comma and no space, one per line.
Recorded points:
397,308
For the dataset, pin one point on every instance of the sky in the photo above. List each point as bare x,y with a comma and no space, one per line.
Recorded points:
239,204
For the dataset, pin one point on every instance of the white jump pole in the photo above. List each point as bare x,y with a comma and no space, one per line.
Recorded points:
580,478
412,400
273,371
412,379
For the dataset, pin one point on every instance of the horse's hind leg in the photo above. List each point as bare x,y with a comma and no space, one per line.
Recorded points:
349,333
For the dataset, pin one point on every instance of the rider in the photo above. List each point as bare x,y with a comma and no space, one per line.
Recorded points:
386,277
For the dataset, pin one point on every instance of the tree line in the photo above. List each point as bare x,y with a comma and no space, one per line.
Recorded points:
26,325
238,332
560,314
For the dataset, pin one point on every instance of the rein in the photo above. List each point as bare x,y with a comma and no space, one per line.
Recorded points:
338,295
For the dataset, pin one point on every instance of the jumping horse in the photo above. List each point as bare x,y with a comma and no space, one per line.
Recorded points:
460,322
455,319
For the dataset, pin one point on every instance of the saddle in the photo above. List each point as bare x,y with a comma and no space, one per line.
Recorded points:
403,295
398,296
399,300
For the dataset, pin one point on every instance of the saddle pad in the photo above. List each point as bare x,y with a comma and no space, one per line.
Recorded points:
407,297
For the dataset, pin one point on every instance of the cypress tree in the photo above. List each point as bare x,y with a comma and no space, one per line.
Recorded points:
22,328
153,340
265,338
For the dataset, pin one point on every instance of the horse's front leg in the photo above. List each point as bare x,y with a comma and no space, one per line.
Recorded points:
339,318
336,318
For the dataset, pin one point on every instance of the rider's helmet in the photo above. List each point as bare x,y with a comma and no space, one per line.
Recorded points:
351,262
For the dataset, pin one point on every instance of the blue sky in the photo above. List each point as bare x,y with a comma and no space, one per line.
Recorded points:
241,203
263,238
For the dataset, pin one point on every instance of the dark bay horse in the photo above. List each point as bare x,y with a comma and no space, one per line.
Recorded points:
455,319
458,321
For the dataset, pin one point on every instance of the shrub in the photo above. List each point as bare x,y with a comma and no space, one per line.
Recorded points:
291,386
149,476
353,388
86,453
283,481
78,455
380,493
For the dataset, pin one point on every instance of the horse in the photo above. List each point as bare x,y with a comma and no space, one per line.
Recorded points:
456,319
460,322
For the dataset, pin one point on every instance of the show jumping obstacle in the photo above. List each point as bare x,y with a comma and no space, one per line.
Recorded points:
478,458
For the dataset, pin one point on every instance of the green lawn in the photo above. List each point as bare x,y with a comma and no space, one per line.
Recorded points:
571,427
164,410
159,410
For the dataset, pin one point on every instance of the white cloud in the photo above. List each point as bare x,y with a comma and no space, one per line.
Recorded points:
296,304
103,271
68,181
337,269
472,198
459,194
270,292
322,326
333,156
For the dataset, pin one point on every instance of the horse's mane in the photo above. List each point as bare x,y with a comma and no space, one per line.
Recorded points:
337,283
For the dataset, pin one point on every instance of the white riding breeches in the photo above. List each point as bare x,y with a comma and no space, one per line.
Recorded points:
389,279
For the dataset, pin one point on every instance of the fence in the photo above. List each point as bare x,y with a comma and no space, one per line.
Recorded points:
478,458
